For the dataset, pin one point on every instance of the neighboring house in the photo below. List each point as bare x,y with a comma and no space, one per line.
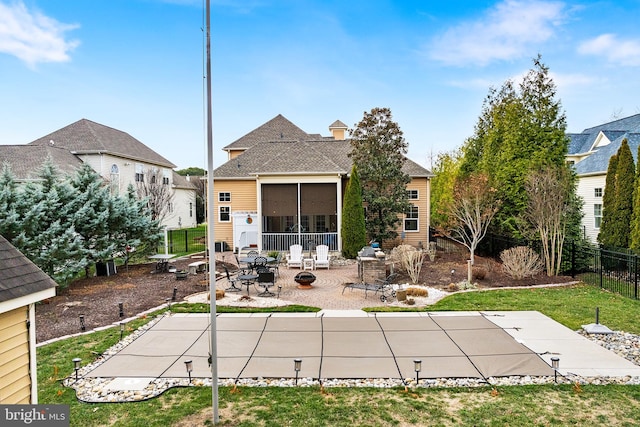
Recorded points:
22,285
115,155
282,186
590,152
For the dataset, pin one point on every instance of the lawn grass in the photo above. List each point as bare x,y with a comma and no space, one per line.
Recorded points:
311,406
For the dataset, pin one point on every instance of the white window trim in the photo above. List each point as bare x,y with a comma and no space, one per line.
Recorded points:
220,214
416,219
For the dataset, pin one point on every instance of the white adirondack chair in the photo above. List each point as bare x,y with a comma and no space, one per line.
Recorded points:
294,257
321,258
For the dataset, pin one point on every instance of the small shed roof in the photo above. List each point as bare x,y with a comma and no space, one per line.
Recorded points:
19,276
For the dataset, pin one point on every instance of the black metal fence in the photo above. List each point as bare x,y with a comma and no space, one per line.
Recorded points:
614,270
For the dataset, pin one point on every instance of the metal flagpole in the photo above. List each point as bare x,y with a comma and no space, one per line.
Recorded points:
210,232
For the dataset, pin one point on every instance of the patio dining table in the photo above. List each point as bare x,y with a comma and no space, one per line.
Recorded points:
247,280
250,260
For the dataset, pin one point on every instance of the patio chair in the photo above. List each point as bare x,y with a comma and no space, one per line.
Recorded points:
275,264
266,279
232,281
244,267
294,257
321,258
259,263
252,254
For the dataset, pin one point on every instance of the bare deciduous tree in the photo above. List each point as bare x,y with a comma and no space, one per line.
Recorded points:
470,212
549,193
156,189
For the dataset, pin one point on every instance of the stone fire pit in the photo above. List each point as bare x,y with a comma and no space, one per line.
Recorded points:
304,280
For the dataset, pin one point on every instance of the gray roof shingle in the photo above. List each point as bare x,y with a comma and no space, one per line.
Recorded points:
304,154
25,160
277,129
18,275
85,136
615,131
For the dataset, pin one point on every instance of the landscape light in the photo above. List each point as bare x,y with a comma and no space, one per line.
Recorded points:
417,366
121,308
555,364
189,365
76,365
297,365
83,327
121,330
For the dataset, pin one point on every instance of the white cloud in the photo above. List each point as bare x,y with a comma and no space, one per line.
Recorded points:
615,50
32,36
504,33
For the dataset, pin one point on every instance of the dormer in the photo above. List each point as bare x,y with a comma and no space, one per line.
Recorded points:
338,130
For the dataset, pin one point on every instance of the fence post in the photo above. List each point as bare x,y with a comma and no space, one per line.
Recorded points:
635,276
599,255
573,259
186,240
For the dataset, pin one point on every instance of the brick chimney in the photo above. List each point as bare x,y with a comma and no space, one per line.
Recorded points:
338,130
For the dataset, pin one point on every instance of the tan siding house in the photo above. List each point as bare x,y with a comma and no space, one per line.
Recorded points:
22,284
281,185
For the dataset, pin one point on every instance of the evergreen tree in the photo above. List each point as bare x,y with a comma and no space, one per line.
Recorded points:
353,233
605,236
90,214
9,217
635,221
377,149
47,236
625,183
517,132
446,173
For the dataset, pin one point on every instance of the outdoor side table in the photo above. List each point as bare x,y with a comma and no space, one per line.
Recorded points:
307,264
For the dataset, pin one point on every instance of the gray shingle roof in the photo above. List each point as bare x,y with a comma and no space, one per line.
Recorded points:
26,160
85,136
308,154
615,131
18,275
277,129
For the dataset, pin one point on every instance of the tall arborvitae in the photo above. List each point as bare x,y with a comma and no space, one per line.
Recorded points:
625,183
354,234
605,237
635,220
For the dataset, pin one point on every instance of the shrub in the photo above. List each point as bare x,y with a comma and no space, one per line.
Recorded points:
520,262
417,292
479,273
409,260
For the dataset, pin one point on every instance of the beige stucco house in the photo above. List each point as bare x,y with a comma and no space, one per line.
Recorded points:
22,285
281,185
115,155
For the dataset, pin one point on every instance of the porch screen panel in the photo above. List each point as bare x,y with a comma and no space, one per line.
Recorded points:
318,199
280,200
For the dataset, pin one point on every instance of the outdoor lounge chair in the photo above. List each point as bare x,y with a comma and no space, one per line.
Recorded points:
321,258
294,257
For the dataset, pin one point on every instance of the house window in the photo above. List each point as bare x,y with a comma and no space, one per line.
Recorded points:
165,176
190,210
597,214
139,172
224,197
115,179
412,194
224,214
411,219
597,192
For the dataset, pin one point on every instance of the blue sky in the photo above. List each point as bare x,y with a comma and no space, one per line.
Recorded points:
138,65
